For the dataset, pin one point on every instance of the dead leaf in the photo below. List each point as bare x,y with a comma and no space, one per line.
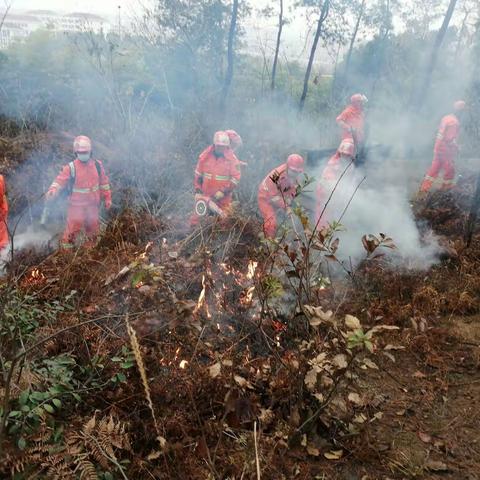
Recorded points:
394,347
355,398
162,441
311,379
340,361
266,416
419,374
400,413
424,437
173,254
215,370
319,397
390,356
352,323
154,455
317,316
370,364
333,455
314,452
227,363
436,466
242,382
360,418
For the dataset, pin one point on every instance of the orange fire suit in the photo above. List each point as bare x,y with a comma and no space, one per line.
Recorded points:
352,117
216,174
444,154
275,196
91,184
3,215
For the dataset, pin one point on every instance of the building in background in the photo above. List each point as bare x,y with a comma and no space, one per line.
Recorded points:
19,25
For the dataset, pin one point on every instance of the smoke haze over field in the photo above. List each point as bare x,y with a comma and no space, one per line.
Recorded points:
150,104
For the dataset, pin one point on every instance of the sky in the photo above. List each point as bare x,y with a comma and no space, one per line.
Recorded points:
108,7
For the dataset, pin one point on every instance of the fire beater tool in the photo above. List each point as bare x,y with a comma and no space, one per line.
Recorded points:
204,205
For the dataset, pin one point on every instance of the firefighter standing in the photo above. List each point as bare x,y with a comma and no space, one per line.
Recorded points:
217,174
89,184
4,240
277,191
445,150
352,121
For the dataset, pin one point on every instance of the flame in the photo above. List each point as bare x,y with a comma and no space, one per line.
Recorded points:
252,267
36,275
201,299
183,364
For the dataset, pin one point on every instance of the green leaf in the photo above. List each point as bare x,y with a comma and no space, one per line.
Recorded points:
48,408
126,365
38,396
23,398
15,414
76,396
22,443
57,402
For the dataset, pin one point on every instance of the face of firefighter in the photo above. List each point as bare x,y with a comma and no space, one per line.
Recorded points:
84,157
220,150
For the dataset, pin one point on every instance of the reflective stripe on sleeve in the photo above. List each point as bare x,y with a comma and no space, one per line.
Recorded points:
105,187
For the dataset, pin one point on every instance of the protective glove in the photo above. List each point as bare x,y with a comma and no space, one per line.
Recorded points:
51,194
108,204
219,195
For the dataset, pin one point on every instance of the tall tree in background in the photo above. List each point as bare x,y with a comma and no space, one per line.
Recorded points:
277,45
324,11
419,98
230,56
353,39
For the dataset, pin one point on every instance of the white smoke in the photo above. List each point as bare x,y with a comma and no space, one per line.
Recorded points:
372,206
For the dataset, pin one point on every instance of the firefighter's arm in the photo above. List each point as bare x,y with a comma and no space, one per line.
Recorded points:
105,189
4,208
198,178
59,183
343,120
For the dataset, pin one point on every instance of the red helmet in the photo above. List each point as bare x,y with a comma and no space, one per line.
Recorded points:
295,163
358,99
459,106
347,148
82,144
235,139
220,139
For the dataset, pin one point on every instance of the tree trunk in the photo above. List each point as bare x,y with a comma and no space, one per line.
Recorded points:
230,57
277,47
321,19
461,34
352,41
427,78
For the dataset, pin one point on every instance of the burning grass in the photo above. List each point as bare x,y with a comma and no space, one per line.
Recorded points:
202,381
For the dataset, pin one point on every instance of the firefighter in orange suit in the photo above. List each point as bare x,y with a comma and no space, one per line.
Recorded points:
352,121
277,191
4,240
446,150
89,185
217,174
